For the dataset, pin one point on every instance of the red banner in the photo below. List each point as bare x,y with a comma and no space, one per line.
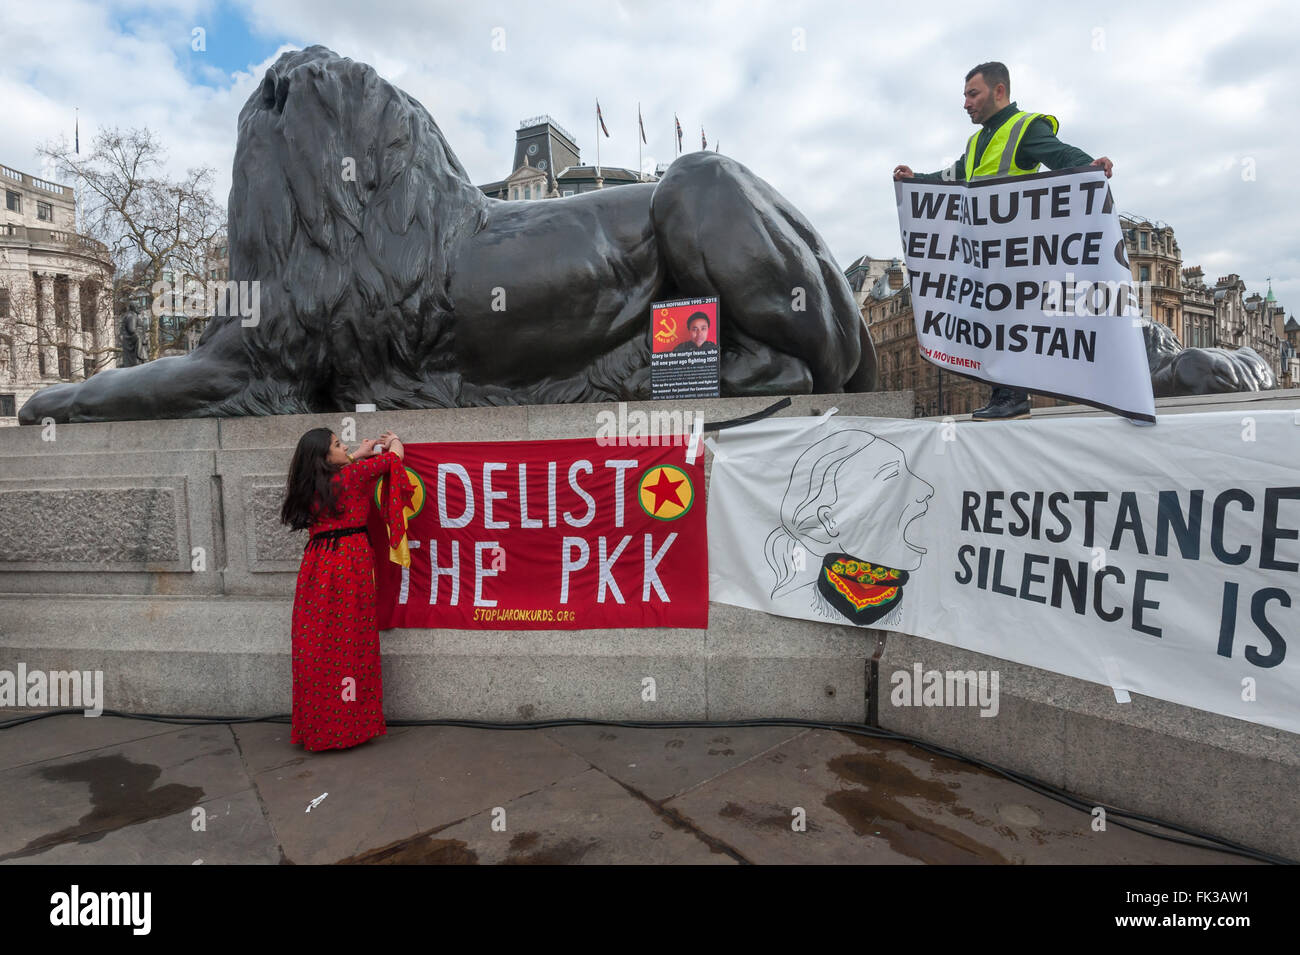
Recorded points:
548,535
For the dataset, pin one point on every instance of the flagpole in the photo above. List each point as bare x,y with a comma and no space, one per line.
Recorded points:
640,171
598,139
76,206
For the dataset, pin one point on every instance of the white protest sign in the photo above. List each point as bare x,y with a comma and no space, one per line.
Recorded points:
1165,561
1023,281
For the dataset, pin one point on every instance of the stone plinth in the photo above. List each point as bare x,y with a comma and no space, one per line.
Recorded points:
153,551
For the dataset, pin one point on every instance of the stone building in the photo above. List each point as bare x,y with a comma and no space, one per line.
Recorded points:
1291,354
1155,258
56,319
1266,327
1242,320
1198,309
548,165
862,274
1201,316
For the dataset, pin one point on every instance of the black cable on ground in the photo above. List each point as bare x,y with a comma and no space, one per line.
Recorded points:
1113,814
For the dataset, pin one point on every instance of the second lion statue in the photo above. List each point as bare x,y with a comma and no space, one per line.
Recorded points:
386,276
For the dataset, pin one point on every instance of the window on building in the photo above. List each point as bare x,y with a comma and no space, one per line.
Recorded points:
13,201
1144,273
40,362
65,362
7,406
4,303
1142,240
44,211
88,367
86,302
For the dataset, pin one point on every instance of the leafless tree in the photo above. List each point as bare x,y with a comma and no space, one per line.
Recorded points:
154,226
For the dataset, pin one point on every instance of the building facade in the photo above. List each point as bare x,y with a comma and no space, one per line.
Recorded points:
1157,265
56,319
862,274
548,165
1291,353
1265,327
1198,310
1248,321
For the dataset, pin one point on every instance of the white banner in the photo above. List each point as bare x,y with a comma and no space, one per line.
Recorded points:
1023,281
1162,561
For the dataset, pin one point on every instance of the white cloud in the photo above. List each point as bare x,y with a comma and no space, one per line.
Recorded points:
1178,95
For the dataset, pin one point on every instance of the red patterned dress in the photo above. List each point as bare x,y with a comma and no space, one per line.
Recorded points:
334,630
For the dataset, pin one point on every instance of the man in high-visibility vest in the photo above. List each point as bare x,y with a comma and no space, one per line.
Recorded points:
1010,143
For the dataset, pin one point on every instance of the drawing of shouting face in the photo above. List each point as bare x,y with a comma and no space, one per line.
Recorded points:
850,506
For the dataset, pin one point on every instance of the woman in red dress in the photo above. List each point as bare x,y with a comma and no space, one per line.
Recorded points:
337,682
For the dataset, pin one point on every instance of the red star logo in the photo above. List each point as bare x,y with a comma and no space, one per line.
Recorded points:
665,490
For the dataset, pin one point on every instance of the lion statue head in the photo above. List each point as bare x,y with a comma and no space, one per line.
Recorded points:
346,203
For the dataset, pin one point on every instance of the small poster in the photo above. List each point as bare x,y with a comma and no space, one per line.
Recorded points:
684,339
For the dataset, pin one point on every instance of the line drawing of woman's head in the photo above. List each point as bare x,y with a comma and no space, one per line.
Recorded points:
849,493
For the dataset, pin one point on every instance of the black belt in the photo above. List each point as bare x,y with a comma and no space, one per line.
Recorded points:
321,539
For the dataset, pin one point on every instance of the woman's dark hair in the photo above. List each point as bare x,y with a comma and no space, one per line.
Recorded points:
309,492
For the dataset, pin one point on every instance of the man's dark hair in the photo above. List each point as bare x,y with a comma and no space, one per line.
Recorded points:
698,315
993,73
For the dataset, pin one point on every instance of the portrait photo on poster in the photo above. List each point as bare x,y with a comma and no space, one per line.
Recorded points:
685,357
686,325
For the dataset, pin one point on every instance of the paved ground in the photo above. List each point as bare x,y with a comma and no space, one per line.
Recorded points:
78,790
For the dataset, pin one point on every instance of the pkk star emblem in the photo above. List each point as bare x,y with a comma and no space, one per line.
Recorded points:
665,491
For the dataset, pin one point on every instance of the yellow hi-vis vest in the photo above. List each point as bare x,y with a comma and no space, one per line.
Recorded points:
999,157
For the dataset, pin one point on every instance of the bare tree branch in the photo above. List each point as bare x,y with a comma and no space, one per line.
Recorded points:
155,227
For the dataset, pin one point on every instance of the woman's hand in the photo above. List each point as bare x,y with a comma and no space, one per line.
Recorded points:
394,444
367,448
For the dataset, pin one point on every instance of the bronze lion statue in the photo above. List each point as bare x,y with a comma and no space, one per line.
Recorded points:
403,285
1176,370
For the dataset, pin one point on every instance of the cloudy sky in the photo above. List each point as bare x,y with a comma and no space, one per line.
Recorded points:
821,99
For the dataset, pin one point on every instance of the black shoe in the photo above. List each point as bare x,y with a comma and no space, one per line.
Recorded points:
1005,405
